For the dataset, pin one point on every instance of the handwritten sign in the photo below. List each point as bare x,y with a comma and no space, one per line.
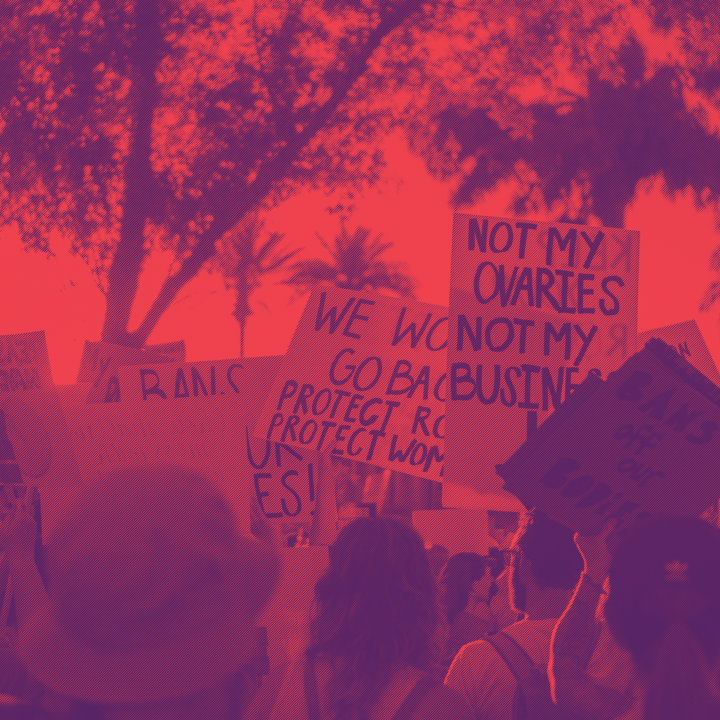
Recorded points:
99,366
687,339
34,441
533,308
282,478
364,379
644,441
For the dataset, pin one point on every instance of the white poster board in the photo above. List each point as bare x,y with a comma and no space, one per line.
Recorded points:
534,307
364,379
35,446
282,477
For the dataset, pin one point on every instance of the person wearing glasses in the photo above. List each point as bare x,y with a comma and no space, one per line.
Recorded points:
466,586
545,565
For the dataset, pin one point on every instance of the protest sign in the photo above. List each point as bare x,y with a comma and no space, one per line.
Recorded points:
646,440
687,339
364,379
35,446
99,366
533,308
282,478
109,436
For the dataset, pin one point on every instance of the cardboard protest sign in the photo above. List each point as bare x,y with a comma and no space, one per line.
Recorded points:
174,349
364,379
108,436
35,446
687,339
99,366
646,440
283,478
533,308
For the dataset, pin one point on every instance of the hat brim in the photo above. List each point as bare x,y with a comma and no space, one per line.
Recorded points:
197,661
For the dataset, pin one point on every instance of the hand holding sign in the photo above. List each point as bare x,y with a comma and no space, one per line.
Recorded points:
595,550
632,445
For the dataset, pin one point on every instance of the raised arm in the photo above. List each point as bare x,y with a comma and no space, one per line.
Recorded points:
575,637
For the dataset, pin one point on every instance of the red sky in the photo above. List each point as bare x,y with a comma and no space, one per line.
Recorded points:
58,294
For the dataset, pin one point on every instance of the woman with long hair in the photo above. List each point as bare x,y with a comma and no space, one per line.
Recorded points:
467,586
660,658
372,648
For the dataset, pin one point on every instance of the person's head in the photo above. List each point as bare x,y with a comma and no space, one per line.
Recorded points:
437,557
375,607
465,574
545,558
152,595
664,607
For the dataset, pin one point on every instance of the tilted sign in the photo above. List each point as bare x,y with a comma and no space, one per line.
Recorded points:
35,445
364,379
283,478
646,440
533,308
687,339
99,366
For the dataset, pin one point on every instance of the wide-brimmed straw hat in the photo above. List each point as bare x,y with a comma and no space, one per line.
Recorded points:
152,591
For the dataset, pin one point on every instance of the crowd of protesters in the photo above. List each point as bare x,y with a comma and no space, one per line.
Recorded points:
146,604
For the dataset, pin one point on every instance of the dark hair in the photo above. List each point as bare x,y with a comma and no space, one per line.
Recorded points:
664,608
550,547
375,606
456,579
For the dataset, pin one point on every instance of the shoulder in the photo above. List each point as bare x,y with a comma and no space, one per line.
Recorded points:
444,702
475,664
534,636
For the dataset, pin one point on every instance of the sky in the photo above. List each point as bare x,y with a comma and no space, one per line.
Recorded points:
58,295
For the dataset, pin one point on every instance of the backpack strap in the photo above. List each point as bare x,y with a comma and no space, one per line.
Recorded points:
312,698
413,699
519,662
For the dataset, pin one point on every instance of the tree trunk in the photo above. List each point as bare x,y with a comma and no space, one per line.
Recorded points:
138,178
268,175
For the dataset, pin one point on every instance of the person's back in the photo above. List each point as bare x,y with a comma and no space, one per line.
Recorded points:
371,653
466,588
545,567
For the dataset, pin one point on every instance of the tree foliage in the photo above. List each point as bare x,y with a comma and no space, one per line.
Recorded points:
243,260
137,125
356,265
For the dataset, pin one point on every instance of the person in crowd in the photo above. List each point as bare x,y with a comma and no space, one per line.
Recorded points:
466,587
652,651
152,596
438,555
502,527
545,565
373,630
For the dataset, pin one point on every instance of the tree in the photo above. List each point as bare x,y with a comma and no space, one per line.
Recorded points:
155,123
134,125
356,266
242,262
587,155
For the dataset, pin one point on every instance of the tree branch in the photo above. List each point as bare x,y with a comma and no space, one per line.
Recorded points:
270,174
139,179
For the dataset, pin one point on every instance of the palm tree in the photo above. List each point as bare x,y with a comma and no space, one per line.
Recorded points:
356,265
243,262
